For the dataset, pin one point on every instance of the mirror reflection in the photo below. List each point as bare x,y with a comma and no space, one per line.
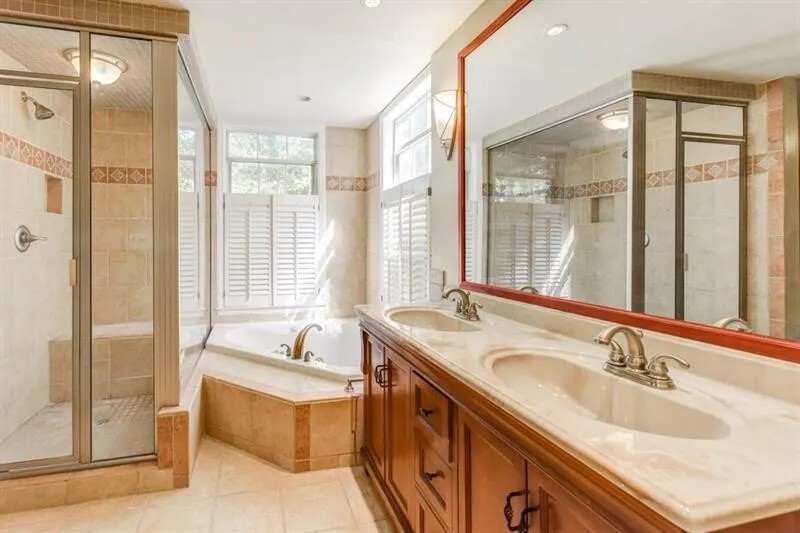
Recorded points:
663,181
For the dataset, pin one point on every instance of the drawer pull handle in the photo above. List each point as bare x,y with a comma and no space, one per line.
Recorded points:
508,512
380,377
425,413
430,476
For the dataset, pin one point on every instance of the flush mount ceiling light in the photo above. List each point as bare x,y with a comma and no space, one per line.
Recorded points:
106,68
305,99
558,29
371,3
614,120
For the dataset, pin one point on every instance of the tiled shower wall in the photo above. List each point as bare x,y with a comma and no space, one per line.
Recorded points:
122,216
36,296
766,281
345,230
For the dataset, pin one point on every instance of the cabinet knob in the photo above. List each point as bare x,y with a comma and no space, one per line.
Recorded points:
430,476
425,413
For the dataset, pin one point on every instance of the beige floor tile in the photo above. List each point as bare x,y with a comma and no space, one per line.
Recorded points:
232,492
316,507
191,516
249,512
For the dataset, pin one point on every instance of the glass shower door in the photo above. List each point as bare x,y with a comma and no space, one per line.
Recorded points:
38,359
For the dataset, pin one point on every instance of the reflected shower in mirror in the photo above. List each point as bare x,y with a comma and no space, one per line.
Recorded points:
661,181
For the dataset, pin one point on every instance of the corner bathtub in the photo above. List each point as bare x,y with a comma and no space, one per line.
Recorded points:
338,344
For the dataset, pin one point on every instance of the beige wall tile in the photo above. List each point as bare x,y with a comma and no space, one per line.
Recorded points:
331,430
104,483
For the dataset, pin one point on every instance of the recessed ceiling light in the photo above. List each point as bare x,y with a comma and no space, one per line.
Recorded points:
371,3
558,29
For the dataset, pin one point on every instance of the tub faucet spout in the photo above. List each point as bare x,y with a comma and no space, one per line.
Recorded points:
300,340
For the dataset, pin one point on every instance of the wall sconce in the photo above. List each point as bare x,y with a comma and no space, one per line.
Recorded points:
444,113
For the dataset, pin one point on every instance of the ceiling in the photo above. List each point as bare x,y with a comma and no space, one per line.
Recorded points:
259,58
751,41
41,50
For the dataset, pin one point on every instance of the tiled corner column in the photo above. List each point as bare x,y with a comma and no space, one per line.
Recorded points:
297,436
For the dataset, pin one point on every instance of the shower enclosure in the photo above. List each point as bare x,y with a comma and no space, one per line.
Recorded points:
79,361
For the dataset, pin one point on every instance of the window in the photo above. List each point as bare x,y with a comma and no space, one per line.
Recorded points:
406,149
271,219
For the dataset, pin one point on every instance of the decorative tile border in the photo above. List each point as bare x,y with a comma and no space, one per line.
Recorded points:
115,14
122,175
16,149
347,183
715,170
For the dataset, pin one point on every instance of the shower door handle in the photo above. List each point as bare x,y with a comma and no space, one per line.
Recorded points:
23,238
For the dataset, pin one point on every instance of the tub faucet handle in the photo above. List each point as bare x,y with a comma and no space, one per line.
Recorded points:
286,350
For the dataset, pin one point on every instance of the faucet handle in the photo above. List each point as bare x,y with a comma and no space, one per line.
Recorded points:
616,356
287,350
658,365
472,311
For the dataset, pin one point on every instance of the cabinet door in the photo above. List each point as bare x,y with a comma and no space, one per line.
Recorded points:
374,419
489,473
561,510
399,456
425,520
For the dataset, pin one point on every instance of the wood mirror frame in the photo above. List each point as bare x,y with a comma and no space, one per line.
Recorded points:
748,342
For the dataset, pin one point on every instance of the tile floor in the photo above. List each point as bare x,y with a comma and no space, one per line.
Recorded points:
122,427
231,492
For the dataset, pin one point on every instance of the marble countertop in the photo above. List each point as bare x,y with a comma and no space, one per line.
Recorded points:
699,484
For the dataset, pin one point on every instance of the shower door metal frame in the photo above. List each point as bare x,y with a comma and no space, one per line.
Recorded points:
681,138
62,83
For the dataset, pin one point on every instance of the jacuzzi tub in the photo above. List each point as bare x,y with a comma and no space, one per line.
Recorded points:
338,345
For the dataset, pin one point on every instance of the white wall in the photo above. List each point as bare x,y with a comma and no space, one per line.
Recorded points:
444,180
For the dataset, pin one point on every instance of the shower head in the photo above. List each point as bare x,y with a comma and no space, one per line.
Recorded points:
40,112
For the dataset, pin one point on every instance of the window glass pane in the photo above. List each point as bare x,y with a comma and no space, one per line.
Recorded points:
405,165
186,176
271,147
244,177
298,180
402,133
271,176
422,157
187,142
420,118
712,118
243,144
301,149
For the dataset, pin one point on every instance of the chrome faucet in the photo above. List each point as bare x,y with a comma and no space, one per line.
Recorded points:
529,288
634,365
735,323
464,309
300,340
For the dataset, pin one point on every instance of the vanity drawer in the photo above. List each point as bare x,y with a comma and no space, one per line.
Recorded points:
433,415
425,520
435,478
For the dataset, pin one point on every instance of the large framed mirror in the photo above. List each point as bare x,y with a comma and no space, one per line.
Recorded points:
635,163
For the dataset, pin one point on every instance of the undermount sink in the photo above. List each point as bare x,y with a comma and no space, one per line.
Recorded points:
428,318
605,397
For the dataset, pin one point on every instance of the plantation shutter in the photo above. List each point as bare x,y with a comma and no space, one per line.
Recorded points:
405,242
391,252
471,224
511,244
248,250
548,227
188,247
295,222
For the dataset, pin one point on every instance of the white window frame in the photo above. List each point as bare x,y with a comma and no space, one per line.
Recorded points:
393,192
318,171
